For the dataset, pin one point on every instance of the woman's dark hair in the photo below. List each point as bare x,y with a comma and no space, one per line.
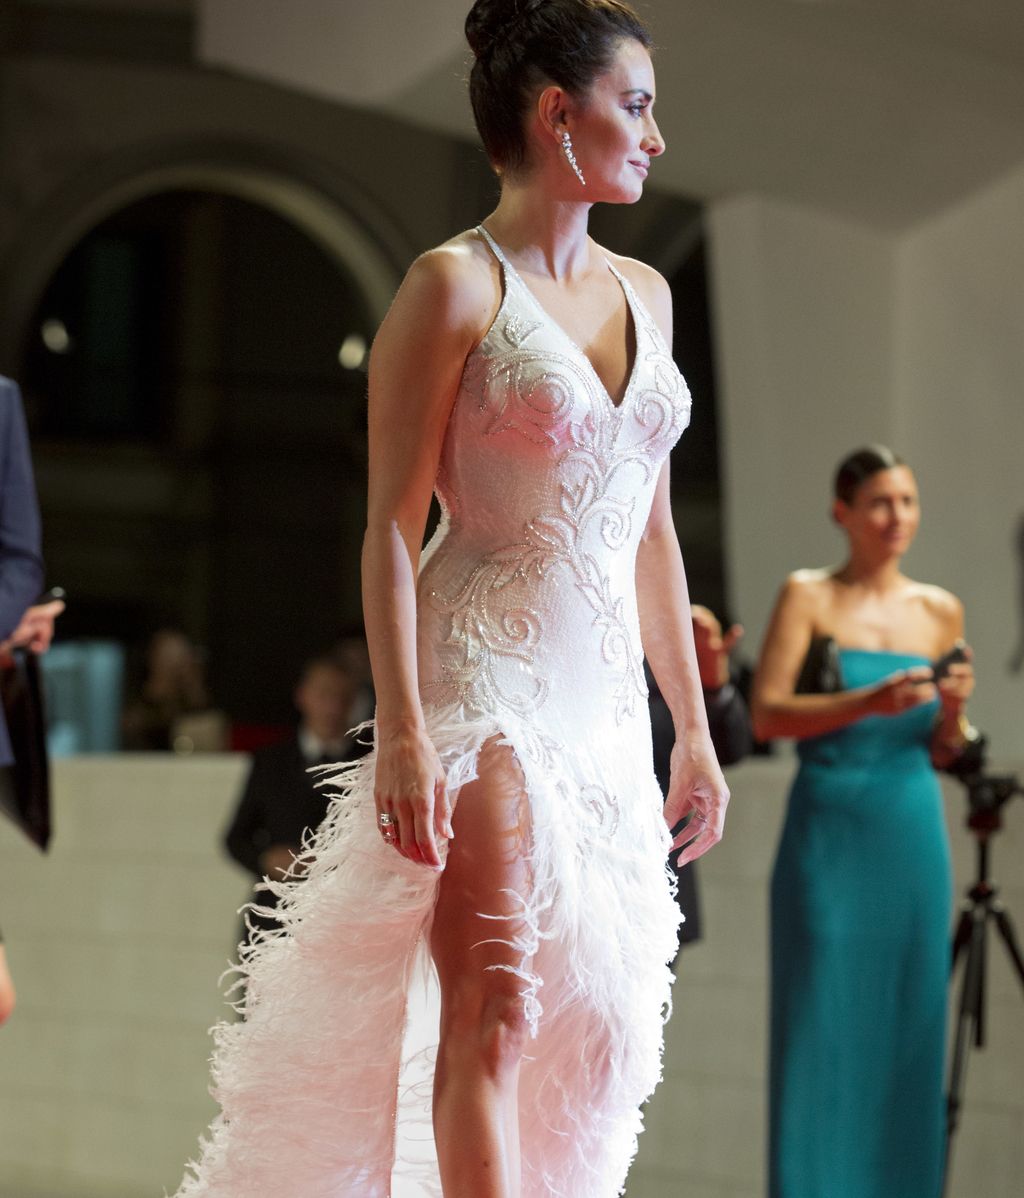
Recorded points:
859,466
522,44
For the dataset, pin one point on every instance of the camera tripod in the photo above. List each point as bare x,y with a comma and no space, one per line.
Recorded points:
986,797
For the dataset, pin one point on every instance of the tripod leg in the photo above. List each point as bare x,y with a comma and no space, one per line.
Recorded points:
980,1019
1009,937
962,935
966,1023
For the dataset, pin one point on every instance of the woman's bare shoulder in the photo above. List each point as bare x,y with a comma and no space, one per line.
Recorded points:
455,282
461,264
810,585
640,274
803,595
941,604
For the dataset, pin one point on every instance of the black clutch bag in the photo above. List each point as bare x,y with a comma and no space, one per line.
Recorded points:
821,673
25,794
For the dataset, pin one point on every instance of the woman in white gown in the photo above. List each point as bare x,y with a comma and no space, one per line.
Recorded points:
507,832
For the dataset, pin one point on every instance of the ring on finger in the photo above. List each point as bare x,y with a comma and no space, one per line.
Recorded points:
387,827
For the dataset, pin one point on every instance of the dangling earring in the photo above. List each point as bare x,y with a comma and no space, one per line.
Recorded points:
571,157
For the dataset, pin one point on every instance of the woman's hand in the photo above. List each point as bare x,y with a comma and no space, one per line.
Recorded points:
697,789
902,691
953,732
955,688
409,785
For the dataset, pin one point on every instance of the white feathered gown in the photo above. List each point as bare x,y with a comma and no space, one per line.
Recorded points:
527,628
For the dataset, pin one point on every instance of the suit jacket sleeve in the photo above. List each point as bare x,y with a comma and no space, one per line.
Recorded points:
246,836
729,724
21,560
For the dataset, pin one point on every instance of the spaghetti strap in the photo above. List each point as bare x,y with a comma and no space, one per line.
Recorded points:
495,248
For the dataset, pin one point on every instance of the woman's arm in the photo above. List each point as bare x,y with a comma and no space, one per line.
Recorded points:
952,729
666,626
697,786
775,707
415,367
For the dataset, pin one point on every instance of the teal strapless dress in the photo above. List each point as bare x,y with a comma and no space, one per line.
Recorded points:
860,908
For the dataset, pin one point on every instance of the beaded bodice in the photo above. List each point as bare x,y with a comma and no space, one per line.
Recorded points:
527,599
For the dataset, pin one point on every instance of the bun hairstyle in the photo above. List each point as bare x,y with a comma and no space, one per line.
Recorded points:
521,45
859,466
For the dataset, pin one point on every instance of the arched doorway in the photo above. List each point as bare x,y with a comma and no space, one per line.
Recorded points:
192,372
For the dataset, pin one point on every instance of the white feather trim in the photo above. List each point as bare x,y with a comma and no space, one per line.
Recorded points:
309,1081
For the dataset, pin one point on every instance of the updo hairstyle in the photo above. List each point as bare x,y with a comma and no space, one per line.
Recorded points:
859,466
522,45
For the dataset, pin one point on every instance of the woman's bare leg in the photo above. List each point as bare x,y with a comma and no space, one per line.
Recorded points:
483,1026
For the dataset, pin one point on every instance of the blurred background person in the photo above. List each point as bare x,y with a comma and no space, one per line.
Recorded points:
861,891
173,698
280,800
351,652
21,579
729,724
728,716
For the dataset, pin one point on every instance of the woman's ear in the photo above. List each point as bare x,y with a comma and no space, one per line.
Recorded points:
551,111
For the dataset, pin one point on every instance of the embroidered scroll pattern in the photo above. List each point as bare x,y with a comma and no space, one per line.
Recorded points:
489,622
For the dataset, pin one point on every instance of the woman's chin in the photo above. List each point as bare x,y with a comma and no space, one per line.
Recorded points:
621,194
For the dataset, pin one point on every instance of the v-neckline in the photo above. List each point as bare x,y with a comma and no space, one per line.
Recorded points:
630,309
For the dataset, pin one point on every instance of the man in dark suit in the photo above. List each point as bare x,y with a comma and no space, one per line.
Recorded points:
280,800
21,572
21,558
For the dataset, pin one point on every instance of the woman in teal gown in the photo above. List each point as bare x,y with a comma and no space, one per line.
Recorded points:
861,893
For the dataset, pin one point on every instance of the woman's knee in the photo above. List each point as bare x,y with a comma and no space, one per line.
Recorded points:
493,1028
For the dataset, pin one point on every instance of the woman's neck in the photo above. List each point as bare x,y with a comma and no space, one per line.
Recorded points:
547,237
877,575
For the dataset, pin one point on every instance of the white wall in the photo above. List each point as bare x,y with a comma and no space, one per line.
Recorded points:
960,421
116,940
803,312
